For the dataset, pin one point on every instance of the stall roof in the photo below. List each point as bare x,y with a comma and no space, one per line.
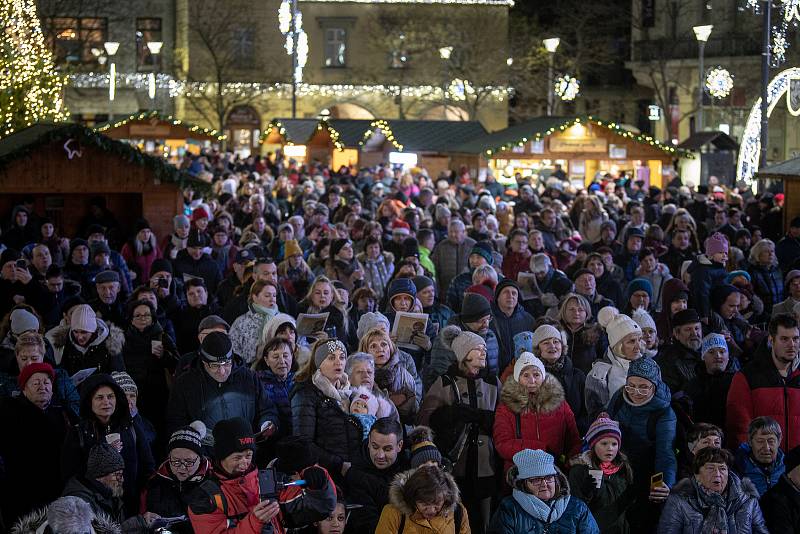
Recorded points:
784,169
427,135
25,141
541,127
294,131
155,114
720,141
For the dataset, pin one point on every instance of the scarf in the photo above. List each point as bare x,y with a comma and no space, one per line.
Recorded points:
339,392
609,468
538,509
393,377
618,373
264,314
715,520
557,367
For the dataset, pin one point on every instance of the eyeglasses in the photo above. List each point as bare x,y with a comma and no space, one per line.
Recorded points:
216,366
537,481
639,391
187,464
142,316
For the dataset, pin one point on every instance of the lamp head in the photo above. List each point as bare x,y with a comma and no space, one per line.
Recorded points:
154,47
703,32
552,44
111,47
445,52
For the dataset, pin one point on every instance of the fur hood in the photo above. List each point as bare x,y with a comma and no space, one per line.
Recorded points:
110,334
515,396
396,492
65,520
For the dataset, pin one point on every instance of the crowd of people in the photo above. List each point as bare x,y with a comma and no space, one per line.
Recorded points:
378,350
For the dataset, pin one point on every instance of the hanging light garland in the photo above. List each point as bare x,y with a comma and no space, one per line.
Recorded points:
789,18
567,87
719,82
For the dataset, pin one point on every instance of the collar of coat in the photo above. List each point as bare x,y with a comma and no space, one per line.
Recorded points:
515,396
397,500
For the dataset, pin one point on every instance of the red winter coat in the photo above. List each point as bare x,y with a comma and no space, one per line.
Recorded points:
514,263
546,422
241,495
759,390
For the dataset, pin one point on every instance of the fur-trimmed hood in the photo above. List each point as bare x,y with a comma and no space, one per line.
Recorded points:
37,522
396,492
515,396
110,334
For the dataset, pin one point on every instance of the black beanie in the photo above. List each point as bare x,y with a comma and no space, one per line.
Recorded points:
422,282
474,307
188,437
161,265
504,283
232,436
295,453
410,248
216,347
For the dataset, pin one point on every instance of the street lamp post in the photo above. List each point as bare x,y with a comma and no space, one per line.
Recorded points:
551,45
445,52
702,33
111,49
155,48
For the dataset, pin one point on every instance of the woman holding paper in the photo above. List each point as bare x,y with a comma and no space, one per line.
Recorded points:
403,387
321,299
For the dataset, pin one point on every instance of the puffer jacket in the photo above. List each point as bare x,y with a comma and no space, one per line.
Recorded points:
450,260
677,363
394,377
335,434
546,422
166,496
246,332
763,477
377,273
512,518
414,523
505,328
574,383
585,345
104,351
684,511
758,390
648,454
767,284
442,357
611,500
781,507
705,275
455,291
277,390
103,503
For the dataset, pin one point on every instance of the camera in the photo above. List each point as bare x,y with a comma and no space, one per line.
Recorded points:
163,283
22,264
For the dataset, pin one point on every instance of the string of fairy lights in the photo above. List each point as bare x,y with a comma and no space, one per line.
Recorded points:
148,115
789,18
30,87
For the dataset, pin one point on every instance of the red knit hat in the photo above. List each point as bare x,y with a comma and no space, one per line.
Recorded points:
602,427
33,368
199,213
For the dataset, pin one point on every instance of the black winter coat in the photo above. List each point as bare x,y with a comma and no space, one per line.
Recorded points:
168,497
505,328
585,346
678,365
573,380
767,284
781,507
709,393
186,323
205,268
335,434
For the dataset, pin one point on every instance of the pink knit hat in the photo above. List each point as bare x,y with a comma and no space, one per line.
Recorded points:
602,427
716,243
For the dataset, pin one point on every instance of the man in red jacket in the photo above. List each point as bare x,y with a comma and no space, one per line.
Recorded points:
769,386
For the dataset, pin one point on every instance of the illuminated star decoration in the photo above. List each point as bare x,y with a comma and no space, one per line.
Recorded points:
567,87
719,82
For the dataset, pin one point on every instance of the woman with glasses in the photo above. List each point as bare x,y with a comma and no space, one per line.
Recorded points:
150,357
541,500
168,491
642,408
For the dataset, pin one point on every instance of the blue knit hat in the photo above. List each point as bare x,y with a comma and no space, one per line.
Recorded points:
534,463
402,286
484,250
645,368
640,284
523,342
733,275
712,341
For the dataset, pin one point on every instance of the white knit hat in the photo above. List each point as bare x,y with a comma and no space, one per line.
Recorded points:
363,394
526,359
617,325
461,342
370,320
83,318
643,319
546,331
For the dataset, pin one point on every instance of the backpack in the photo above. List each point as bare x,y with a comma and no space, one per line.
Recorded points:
457,516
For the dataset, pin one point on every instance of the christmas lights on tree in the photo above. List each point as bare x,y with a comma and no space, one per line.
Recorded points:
30,87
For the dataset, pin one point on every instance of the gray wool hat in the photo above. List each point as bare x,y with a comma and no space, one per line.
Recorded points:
103,460
370,320
461,342
106,276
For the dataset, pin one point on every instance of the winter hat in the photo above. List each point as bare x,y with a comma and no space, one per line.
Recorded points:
474,307
33,368
617,325
733,275
484,250
791,275
423,449
523,342
481,289
231,436
361,393
720,293
99,247
199,213
687,316
643,319
83,318
212,321
461,342
10,254
609,224
639,284
290,248
22,321
103,460
337,246
141,224
540,263
504,283
634,231
216,347
534,463
441,211
125,382
371,320
180,221
645,368
401,227
546,331
410,248
106,276
581,272
716,243
329,347
712,341
189,437
527,359
161,265
422,282
294,454
70,515
402,286
602,427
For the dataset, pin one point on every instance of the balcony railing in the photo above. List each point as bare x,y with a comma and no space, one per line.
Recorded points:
660,49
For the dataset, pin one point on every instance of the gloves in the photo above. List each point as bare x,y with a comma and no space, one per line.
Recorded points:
315,478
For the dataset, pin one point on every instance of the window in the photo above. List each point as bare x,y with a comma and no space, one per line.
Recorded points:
148,30
243,42
335,47
72,39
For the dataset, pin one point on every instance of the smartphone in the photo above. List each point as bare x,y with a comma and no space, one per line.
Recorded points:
22,264
656,480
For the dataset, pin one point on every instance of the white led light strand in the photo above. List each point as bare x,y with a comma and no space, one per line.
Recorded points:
567,88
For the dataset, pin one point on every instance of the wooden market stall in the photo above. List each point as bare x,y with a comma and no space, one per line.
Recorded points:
64,166
161,135
788,173
714,154
583,147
